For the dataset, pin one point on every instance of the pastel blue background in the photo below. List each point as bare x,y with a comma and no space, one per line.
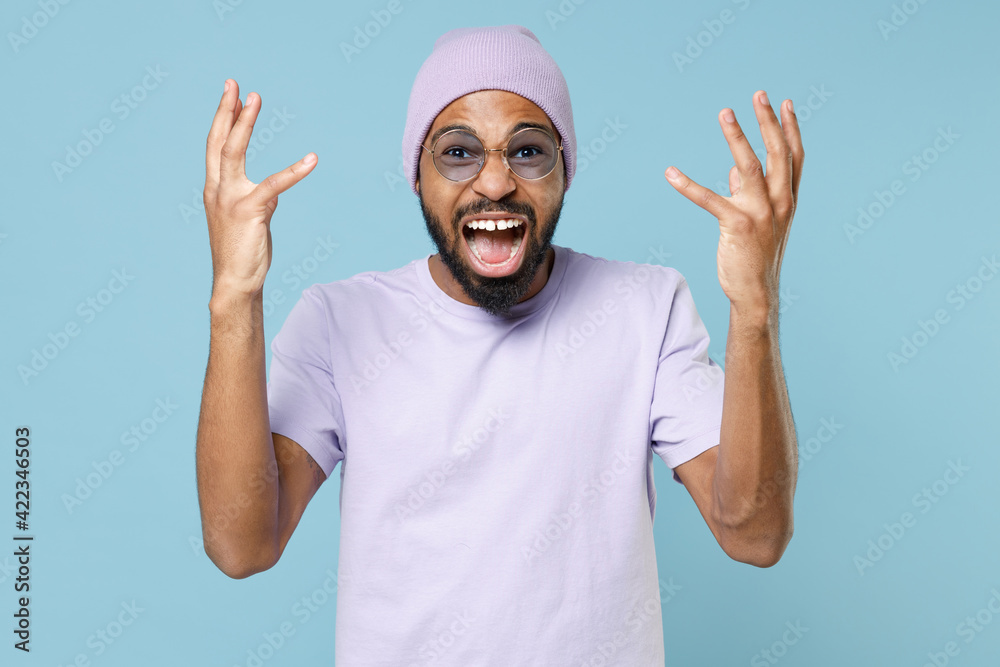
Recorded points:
131,204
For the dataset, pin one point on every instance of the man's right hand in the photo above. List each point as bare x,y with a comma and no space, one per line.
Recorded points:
238,210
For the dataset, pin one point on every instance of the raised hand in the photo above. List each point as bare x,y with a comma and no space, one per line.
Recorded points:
239,211
755,221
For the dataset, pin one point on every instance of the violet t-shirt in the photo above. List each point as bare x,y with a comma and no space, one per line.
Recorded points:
497,493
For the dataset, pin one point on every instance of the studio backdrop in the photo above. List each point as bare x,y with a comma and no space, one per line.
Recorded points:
889,303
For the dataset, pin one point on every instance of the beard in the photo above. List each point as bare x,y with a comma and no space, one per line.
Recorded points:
494,295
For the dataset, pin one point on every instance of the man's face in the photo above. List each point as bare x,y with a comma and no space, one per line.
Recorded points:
494,283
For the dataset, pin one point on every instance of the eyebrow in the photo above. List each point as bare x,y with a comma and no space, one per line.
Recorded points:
517,128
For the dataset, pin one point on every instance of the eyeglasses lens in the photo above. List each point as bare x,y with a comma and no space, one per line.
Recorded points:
531,154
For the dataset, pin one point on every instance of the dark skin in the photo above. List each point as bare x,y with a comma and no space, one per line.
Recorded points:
492,114
743,487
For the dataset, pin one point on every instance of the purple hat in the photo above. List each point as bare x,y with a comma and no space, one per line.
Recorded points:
464,60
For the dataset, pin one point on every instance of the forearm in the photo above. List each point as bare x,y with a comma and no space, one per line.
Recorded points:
237,473
757,463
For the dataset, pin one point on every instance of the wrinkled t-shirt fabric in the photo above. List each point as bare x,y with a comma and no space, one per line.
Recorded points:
497,495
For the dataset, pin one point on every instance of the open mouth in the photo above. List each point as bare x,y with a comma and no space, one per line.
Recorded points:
495,247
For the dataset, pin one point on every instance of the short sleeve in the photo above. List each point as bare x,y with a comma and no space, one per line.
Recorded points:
686,412
302,401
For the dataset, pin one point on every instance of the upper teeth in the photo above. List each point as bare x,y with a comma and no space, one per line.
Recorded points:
491,225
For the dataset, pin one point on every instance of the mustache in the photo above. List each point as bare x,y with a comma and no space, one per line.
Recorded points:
488,206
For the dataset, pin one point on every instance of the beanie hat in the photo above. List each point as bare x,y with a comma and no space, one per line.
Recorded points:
466,60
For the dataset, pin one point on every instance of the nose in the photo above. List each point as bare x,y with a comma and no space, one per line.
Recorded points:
494,180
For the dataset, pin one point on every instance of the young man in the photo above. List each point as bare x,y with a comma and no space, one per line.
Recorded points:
495,406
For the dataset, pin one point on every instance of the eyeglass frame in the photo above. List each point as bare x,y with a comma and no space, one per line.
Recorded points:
503,155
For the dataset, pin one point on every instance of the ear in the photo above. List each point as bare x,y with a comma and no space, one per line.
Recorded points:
418,185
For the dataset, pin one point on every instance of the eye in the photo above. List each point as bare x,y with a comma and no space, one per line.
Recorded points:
457,152
526,152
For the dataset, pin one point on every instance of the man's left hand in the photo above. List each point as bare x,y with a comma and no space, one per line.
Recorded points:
754,222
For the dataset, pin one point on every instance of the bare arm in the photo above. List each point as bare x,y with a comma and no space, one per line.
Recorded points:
758,462
745,487
236,462
252,485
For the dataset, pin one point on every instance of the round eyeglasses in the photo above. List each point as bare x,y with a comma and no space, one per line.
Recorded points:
459,155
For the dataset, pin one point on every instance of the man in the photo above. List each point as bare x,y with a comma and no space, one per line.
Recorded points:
495,406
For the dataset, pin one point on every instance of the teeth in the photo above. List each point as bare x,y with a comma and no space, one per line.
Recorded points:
491,225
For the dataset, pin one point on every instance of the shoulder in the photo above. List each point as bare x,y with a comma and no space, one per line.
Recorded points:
367,287
625,278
